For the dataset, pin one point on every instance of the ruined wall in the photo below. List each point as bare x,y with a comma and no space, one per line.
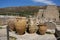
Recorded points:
51,12
5,19
39,14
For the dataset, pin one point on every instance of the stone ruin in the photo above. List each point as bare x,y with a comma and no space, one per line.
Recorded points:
49,14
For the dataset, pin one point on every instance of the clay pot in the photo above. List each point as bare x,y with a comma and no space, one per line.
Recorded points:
20,26
42,29
32,29
32,26
11,25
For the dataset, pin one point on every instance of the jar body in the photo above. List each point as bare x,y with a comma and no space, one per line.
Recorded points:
42,30
32,29
20,26
11,25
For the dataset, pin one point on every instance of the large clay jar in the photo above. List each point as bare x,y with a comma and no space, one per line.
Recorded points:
20,25
32,26
32,29
42,29
11,25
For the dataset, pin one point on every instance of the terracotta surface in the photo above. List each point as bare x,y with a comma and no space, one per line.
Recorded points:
42,29
20,25
32,29
11,25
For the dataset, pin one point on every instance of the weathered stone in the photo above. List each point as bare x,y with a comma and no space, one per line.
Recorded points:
51,12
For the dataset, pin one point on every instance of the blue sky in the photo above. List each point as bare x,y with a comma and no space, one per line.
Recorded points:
10,3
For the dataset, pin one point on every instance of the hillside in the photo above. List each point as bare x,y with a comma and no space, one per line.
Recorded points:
23,11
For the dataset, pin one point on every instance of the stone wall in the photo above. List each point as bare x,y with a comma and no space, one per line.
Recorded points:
51,12
5,19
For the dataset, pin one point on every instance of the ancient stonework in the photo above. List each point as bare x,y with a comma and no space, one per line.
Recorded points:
51,12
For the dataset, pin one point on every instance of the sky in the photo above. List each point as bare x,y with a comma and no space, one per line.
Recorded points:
13,3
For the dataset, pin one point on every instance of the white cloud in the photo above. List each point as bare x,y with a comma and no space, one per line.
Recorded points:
48,2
